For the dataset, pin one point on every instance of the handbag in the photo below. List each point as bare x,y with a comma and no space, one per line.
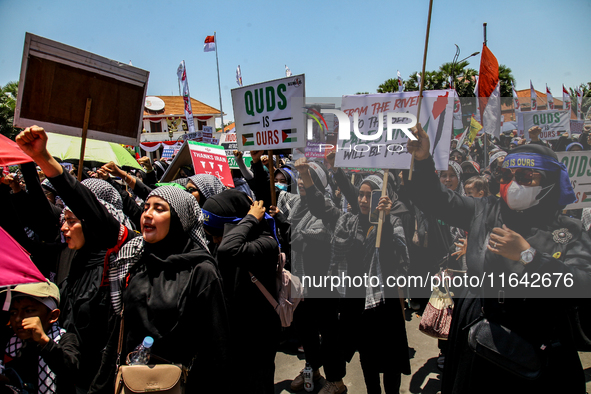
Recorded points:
436,319
505,348
154,378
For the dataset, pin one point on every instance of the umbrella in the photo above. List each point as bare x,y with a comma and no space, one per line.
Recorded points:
10,153
67,148
17,267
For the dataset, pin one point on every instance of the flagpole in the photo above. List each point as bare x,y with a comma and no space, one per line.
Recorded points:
482,117
412,159
215,39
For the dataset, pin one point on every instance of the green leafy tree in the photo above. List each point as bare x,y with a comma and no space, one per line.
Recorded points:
389,86
7,106
505,77
586,102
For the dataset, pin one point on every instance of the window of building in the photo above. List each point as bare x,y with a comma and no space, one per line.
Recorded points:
200,124
156,127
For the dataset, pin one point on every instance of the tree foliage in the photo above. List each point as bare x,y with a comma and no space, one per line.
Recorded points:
7,106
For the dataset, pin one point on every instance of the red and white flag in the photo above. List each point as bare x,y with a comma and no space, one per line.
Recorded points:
209,45
549,98
565,99
287,71
489,92
516,104
477,114
400,85
533,97
238,76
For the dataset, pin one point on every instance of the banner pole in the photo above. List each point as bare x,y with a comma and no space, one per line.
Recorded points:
412,160
272,179
381,220
215,39
83,142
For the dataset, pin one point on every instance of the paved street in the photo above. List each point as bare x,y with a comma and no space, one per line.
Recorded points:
425,377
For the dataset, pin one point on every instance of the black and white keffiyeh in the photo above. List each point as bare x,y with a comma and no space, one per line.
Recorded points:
189,213
46,381
207,184
110,198
586,218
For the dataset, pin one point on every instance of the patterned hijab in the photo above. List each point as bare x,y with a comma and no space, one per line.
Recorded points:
186,208
208,185
110,198
458,170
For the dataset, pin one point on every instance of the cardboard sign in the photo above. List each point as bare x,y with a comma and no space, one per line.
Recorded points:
553,123
56,80
578,165
212,160
266,117
437,111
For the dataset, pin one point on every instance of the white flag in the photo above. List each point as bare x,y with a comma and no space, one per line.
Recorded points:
419,81
549,98
579,102
181,72
400,85
565,99
533,97
287,71
516,104
238,76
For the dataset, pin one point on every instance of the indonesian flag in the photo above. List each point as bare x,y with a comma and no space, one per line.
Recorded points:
579,102
238,76
489,92
400,85
565,99
287,71
516,104
209,44
549,98
533,97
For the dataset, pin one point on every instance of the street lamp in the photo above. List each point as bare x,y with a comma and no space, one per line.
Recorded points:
455,62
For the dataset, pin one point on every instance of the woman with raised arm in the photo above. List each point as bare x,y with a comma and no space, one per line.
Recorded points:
524,235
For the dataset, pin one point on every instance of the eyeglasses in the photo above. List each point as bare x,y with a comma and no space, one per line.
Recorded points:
523,176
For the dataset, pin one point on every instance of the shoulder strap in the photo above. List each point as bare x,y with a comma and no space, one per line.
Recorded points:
120,343
267,295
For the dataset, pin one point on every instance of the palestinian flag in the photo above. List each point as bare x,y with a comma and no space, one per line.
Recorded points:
286,135
248,139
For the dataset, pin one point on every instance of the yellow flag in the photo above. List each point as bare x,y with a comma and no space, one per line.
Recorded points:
475,127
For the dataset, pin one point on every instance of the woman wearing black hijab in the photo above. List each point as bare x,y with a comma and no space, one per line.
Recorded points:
247,244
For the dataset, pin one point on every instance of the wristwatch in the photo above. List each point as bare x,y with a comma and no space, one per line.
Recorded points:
527,256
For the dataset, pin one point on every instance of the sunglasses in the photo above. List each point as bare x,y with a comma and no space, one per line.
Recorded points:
523,176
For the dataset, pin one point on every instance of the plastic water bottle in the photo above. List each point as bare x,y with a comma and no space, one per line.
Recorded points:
141,354
308,378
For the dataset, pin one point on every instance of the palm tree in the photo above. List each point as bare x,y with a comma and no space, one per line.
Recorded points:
7,106
506,78
389,86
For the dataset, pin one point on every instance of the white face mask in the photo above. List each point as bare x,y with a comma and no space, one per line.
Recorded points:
520,198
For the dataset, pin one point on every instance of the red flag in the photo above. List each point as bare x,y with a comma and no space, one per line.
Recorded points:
17,267
11,154
489,92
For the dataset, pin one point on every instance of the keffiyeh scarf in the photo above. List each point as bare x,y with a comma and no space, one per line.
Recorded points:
46,381
208,185
110,198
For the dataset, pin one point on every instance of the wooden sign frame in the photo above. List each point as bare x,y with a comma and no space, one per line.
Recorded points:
56,80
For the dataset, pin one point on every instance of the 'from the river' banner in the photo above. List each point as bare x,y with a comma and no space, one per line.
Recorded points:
264,115
437,110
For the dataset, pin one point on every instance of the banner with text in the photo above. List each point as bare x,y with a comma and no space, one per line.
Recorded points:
212,160
229,143
553,123
579,171
389,151
264,116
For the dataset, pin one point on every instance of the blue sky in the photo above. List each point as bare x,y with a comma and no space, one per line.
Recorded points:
342,47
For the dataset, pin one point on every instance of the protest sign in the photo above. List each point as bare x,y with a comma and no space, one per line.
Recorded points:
211,159
56,80
579,171
266,117
229,143
390,151
553,123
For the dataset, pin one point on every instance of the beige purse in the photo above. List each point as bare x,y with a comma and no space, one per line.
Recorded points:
153,378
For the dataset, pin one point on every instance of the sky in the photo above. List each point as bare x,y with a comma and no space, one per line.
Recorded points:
342,47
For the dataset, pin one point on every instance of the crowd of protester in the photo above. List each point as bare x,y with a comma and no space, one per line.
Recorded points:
177,261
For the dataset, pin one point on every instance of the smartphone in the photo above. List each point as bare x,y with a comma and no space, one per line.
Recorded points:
374,214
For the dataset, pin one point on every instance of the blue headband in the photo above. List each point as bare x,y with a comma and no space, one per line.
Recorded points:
286,169
215,221
573,144
544,163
